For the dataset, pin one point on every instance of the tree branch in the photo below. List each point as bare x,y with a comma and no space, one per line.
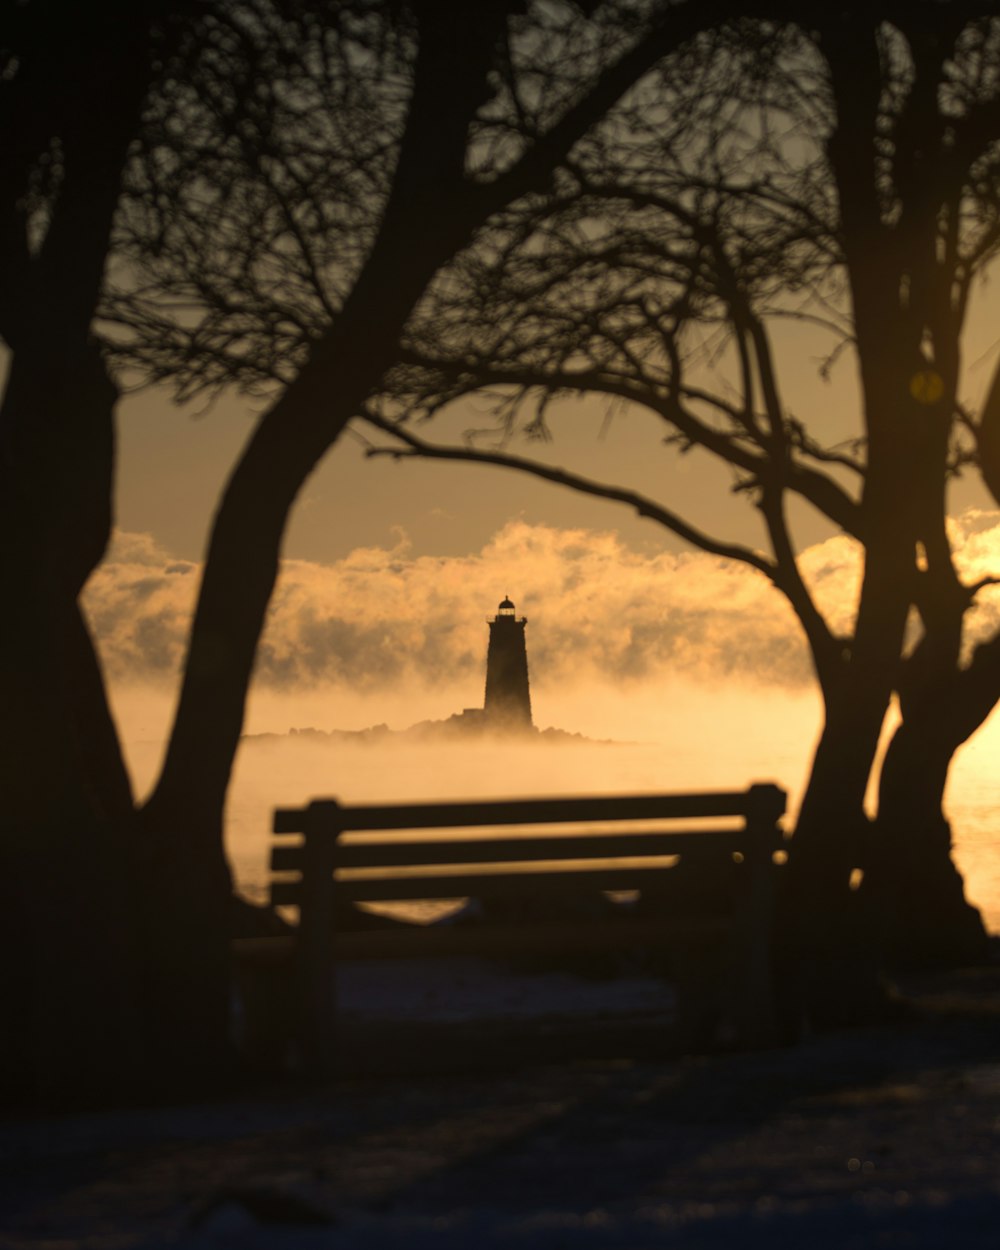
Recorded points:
674,26
417,447
817,488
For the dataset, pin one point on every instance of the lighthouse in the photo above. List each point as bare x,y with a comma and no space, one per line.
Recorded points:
508,700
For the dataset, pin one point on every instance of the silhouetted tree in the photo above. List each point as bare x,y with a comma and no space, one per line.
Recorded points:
304,172
840,169
72,86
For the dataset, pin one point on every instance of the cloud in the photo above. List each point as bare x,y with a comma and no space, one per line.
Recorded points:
140,602
382,617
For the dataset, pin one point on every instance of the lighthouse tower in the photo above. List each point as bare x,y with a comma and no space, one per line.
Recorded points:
508,701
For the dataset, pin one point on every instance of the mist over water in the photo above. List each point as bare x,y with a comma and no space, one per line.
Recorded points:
670,735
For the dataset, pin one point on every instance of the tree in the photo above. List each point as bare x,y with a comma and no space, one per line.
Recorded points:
840,171
432,118
72,89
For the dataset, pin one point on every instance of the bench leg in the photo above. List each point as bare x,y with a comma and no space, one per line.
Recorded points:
316,967
700,983
754,1018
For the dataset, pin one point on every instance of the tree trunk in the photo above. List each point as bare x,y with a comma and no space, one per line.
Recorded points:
68,961
824,945
911,888
431,214
67,915
824,952
67,890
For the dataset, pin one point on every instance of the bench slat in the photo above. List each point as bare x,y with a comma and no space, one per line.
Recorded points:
288,820
582,844
767,801
287,858
465,885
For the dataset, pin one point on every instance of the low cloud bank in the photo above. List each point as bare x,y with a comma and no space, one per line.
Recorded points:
384,617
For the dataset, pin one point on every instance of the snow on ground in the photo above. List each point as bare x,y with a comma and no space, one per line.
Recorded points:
462,989
970,1224
869,1139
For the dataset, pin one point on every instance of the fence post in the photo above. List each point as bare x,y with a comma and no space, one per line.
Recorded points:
755,1000
321,830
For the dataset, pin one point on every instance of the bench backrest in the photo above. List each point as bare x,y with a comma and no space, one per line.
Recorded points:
591,853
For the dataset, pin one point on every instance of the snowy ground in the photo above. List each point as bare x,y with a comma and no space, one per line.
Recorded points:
465,989
884,1137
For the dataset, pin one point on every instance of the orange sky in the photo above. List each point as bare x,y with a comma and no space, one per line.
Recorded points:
391,568
387,634
172,464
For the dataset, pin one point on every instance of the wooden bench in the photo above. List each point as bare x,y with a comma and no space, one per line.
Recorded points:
344,855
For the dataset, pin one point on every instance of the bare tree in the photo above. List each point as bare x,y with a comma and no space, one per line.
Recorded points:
72,88
841,171
304,173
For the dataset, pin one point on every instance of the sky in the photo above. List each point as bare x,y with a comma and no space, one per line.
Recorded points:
410,556
173,461
396,631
